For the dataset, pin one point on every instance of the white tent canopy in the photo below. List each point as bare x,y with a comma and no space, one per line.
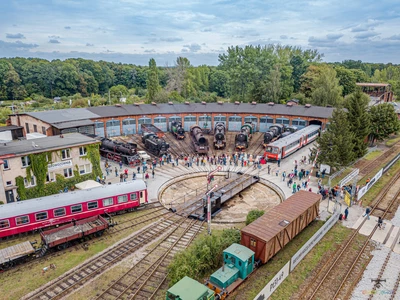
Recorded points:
88,184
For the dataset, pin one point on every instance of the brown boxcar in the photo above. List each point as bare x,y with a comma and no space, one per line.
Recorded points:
272,231
59,237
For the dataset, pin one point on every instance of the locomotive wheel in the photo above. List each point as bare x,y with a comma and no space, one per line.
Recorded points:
62,246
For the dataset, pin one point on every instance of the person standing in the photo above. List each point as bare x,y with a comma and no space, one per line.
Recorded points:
346,213
294,188
380,223
133,176
152,173
279,162
116,172
283,175
269,169
367,212
120,165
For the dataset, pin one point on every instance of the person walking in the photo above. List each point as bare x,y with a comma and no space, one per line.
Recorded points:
121,177
294,188
283,175
120,165
367,212
152,173
269,169
380,223
133,176
116,172
147,175
346,213
279,162
138,169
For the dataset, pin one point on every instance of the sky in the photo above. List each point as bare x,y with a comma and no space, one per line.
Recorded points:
133,31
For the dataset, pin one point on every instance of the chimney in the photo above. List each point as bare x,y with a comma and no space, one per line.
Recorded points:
136,104
203,102
187,102
237,102
254,102
153,103
271,103
220,102
171,103
307,105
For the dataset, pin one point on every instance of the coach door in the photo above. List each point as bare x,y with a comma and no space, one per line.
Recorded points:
142,197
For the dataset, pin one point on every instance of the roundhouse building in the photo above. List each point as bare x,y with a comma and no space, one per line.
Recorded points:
109,121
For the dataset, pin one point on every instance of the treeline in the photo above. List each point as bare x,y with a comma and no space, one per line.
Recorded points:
250,73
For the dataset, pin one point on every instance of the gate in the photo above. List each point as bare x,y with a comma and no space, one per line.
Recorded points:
128,126
284,121
235,122
299,123
113,128
219,119
144,120
161,123
99,129
265,123
205,122
253,120
189,121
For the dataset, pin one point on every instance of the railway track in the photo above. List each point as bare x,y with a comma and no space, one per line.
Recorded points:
373,164
336,278
144,279
92,268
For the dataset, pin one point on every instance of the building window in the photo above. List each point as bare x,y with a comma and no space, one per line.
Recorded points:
22,220
8,183
65,153
41,216
123,199
27,127
82,151
133,196
5,165
59,212
44,130
92,205
108,202
4,224
84,169
253,242
34,128
50,177
68,173
25,161
30,182
76,208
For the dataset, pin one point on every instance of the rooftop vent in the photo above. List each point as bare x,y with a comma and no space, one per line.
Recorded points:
136,104
290,104
254,102
271,103
171,103
153,103
329,105
203,102
237,102
307,105
220,102
118,105
187,102
284,223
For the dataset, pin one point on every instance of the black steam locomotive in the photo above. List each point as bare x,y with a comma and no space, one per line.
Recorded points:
118,151
277,131
219,136
242,139
199,140
177,130
154,144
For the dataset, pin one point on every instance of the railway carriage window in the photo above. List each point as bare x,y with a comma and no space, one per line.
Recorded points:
41,216
4,224
59,212
76,208
65,153
108,202
123,199
82,151
233,260
253,242
240,263
22,220
133,196
92,205
5,165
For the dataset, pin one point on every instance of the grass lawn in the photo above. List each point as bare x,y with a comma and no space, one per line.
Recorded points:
264,274
372,155
377,187
392,141
336,180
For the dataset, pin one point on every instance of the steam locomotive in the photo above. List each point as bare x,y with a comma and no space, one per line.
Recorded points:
177,130
118,151
154,144
200,142
219,136
242,139
277,131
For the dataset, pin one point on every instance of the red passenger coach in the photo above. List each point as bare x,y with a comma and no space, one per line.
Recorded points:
28,215
291,143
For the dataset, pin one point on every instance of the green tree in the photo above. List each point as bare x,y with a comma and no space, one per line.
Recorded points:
336,143
299,68
119,91
327,89
153,85
219,83
359,119
384,121
253,215
4,112
347,79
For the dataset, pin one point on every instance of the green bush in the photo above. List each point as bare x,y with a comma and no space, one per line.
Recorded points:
203,256
253,215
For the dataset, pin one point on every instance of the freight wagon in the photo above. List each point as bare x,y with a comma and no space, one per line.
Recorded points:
267,235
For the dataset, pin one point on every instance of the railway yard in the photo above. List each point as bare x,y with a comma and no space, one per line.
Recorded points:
130,260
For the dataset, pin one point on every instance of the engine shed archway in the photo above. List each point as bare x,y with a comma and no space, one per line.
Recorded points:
205,122
235,122
172,119
219,119
189,121
316,122
265,123
113,128
282,120
128,126
144,120
99,129
161,123
253,120
299,123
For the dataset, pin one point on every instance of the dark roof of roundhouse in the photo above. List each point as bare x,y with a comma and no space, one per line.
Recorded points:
63,115
277,109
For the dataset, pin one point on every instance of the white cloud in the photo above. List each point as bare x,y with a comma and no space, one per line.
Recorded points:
15,36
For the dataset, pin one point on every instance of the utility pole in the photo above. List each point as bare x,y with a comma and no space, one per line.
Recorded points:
209,208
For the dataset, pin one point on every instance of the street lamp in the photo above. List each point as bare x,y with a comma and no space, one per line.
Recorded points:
208,193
